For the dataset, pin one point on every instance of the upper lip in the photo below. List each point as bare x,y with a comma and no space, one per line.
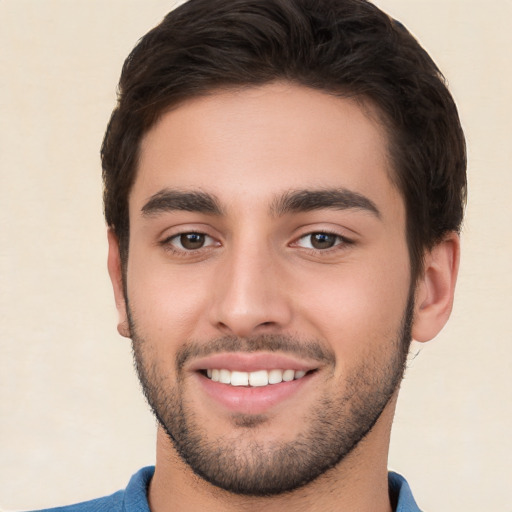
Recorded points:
251,361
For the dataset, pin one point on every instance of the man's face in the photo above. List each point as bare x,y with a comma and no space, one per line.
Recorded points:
267,243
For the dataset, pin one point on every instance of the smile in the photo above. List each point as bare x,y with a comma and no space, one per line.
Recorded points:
257,378
253,383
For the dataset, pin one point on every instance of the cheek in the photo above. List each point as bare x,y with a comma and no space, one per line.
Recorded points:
165,300
356,307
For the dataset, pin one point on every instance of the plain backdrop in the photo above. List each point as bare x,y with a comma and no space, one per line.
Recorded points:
73,423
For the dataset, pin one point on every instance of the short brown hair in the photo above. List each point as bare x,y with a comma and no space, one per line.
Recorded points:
343,47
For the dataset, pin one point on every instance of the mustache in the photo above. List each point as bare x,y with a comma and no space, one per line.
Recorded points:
305,349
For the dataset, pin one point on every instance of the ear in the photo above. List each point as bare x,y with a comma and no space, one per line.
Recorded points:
116,276
435,288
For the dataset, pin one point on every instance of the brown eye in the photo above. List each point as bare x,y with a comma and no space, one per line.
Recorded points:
188,242
191,241
323,240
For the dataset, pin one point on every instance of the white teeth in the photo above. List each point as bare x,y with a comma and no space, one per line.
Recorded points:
255,379
288,375
258,378
275,376
225,377
239,378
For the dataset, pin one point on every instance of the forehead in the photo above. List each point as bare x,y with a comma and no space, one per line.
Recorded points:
259,142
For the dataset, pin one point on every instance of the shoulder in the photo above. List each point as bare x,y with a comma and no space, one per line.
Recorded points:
113,503
401,494
131,499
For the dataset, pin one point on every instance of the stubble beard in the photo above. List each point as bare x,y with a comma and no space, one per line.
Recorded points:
245,466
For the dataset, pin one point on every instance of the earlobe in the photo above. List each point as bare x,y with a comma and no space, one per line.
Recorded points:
435,288
116,277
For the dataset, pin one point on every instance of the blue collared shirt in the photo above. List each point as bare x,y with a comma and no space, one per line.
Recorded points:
134,497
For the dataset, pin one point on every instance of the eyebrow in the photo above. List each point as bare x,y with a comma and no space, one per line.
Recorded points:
334,199
168,200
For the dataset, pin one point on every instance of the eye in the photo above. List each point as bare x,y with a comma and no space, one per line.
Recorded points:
190,241
320,241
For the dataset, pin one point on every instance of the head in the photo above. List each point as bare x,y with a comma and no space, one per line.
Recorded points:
312,158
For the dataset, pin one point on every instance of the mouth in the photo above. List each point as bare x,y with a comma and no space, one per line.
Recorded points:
258,378
253,383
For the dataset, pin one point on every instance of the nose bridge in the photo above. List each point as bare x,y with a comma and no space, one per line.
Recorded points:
250,297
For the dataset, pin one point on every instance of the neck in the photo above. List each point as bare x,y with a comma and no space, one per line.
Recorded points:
359,482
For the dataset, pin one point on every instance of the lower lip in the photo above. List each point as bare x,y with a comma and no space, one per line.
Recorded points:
251,400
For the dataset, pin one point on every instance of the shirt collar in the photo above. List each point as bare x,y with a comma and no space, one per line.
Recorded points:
135,498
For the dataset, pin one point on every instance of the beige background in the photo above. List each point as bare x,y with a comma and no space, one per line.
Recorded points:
73,424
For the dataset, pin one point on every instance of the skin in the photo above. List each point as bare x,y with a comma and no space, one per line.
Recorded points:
257,273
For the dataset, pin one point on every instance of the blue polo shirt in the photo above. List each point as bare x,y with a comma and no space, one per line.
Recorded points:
134,497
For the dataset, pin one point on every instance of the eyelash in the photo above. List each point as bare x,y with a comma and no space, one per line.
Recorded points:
168,245
341,243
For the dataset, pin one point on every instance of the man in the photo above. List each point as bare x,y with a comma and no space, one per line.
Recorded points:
284,186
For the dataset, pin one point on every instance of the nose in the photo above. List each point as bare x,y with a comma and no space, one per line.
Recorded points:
251,296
